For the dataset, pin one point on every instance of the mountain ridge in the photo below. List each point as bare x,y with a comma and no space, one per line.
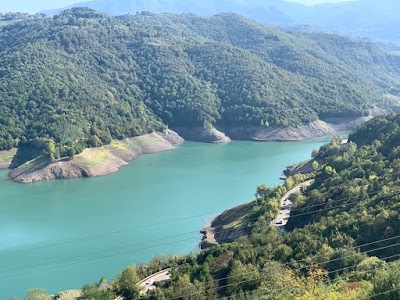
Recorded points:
358,18
83,78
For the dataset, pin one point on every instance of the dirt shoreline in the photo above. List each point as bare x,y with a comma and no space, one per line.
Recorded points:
96,161
216,231
291,133
199,134
108,159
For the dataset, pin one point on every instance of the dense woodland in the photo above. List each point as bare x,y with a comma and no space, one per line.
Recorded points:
342,240
83,78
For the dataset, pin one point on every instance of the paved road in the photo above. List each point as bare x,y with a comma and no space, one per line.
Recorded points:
286,205
148,283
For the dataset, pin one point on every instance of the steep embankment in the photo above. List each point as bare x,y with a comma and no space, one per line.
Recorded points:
228,226
96,161
281,133
296,133
200,134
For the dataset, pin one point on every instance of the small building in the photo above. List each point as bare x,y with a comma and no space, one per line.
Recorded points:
344,142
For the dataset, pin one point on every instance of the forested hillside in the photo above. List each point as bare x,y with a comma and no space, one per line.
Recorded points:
361,18
342,239
82,78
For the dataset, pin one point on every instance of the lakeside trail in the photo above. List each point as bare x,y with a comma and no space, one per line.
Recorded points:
285,205
209,239
148,283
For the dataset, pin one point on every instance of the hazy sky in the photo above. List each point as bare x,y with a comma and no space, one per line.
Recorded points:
33,6
311,2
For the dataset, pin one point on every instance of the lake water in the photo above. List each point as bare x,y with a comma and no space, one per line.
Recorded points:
62,234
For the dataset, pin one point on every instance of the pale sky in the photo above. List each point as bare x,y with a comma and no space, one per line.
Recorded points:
312,2
33,6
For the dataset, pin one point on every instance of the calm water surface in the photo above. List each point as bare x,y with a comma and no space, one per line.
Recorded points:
61,234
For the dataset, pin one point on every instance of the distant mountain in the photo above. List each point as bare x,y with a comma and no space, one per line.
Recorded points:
83,78
364,18
369,18
268,11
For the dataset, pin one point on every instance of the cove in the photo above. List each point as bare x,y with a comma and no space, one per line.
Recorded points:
62,234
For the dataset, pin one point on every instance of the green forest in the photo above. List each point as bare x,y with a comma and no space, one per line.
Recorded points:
83,78
342,240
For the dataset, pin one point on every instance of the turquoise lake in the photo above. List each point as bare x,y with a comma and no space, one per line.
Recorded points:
61,234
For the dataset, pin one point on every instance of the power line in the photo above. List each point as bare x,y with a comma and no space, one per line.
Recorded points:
320,263
260,277
110,233
333,207
106,233
223,286
329,202
359,246
324,281
98,252
107,250
172,221
122,247
383,293
160,239
373,242
94,259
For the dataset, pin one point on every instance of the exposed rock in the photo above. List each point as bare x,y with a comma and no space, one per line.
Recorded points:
96,161
172,137
281,133
208,239
291,133
200,134
347,124
68,295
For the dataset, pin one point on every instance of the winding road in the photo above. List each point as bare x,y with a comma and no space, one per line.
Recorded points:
286,205
148,283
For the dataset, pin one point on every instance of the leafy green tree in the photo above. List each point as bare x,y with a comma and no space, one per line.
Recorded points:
282,252
185,290
243,277
387,280
96,292
37,294
369,266
127,283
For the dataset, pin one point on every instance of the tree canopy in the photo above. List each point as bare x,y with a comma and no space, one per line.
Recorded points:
83,78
